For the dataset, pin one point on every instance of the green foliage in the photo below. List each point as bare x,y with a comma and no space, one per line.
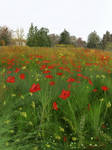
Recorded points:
37,37
28,121
93,40
107,38
43,38
65,38
5,36
108,46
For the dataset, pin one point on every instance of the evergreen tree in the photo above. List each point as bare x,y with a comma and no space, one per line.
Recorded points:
35,36
93,40
43,38
107,38
65,38
31,36
38,37
5,36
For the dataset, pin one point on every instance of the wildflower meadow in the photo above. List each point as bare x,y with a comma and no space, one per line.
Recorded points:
55,99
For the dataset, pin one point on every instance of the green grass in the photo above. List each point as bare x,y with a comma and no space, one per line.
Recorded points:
29,122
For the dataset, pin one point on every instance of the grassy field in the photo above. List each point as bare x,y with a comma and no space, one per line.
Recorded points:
55,99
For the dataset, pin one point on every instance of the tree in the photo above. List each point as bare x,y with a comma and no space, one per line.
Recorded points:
54,39
107,38
80,43
93,40
65,38
37,37
5,36
108,46
31,36
73,40
35,43
43,38
20,36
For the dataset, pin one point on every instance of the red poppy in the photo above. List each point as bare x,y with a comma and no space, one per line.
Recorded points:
94,90
43,67
46,71
35,88
46,61
84,77
49,76
70,80
64,138
61,68
17,70
77,81
69,86
8,72
104,88
50,67
79,75
52,83
55,106
64,94
11,79
90,82
27,62
59,73
22,76
9,67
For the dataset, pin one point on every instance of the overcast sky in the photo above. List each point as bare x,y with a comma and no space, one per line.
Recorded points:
79,17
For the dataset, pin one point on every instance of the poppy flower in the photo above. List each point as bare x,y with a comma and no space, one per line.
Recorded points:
47,71
55,106
35,88
61,68
27,62
59,74
94,90
43,67
52,83
70,80
8,72
49,76
17,70
11,79
46,61
79,75
22,76
50,67
104,88
69,86
90,82
64,94
9,67
64,138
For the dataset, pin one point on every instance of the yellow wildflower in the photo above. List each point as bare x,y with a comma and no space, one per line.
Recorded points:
13,95
7,121
47,145
74,138
22,97
108,105
24,114
57,137
24,67
61,129
33,104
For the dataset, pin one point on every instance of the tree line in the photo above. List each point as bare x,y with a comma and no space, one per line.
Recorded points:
41,38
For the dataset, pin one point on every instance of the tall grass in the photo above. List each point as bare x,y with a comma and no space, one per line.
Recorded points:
28,121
